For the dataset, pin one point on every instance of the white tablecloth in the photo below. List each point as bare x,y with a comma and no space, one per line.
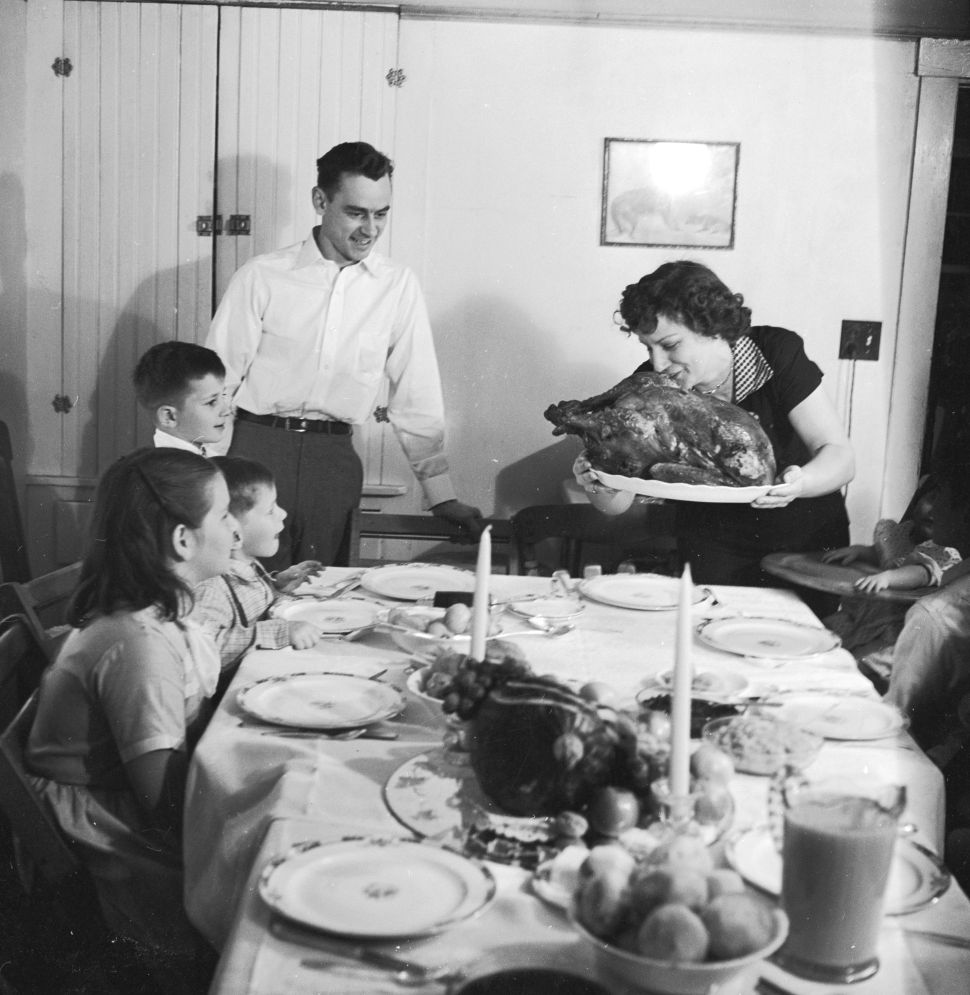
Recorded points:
251,794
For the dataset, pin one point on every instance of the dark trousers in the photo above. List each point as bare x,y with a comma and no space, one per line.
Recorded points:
318,484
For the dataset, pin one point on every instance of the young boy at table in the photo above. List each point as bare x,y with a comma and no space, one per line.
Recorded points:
182,386
236,609
124,702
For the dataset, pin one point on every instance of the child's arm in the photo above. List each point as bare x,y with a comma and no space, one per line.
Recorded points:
898,578
851,554
158,781
291,578
215,610
303,635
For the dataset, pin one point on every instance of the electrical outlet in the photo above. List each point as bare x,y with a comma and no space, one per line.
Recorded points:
860,340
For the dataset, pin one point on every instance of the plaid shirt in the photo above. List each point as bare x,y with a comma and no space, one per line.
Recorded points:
234,609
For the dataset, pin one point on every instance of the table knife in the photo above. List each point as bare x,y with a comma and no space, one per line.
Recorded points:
343,948
343,588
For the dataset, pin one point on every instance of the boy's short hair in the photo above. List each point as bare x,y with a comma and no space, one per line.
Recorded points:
243,477
164,374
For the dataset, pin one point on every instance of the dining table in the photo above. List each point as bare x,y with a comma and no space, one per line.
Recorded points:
261,791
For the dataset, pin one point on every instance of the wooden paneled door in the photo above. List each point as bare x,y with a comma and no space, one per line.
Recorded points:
170,116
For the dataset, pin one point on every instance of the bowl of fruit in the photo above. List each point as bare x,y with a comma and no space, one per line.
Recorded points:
420,628
670,921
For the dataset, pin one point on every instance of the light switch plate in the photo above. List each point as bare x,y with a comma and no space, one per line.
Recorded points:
860,340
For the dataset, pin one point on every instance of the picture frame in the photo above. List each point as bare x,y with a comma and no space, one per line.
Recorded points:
675,194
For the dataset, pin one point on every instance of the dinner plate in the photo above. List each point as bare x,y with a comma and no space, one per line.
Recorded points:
376,888
706,493
320,701
334,617
433,795
841,717
771,638
718,683
647,592
413,581
555,609
917,877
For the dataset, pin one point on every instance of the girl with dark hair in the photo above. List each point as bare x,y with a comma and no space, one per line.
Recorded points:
125,700
699,332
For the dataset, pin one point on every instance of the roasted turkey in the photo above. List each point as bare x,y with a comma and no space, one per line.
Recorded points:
649,426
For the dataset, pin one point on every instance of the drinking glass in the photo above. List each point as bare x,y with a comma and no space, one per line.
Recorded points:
837,835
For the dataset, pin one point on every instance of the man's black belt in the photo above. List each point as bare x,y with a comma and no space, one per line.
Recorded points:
297,424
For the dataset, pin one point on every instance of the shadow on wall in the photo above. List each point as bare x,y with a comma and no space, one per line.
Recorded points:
170,303
501,368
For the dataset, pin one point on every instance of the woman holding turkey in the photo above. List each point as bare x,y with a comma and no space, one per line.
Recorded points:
699,332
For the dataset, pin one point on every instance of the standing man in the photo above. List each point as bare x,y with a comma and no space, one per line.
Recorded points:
306,334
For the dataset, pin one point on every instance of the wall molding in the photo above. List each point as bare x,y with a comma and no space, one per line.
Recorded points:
883,18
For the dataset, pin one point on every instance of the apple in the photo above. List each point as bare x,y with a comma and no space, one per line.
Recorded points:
612,810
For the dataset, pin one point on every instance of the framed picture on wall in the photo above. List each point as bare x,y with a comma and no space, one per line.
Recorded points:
665,193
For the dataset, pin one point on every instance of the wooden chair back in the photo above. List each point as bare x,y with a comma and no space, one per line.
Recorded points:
22,661
378,525
643,534
14,564
42,601
34,827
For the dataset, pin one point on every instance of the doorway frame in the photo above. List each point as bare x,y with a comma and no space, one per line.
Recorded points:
941,65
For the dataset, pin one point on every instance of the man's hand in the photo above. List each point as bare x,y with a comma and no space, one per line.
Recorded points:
467,518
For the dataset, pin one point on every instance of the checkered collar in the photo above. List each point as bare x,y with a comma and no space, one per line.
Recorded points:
751,369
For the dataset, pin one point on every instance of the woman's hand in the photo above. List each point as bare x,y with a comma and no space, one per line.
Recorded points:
850,554
606,499
788,485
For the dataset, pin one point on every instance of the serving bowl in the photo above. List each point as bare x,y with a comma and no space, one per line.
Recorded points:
415,688
668,978
762,744
406,627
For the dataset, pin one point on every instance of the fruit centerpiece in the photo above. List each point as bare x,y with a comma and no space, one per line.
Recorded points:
540,749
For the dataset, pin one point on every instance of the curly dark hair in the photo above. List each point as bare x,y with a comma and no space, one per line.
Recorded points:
139,502
689,293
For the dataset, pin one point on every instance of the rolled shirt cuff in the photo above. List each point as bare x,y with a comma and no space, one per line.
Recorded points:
437,489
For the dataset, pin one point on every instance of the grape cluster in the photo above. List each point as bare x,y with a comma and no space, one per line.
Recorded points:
475,679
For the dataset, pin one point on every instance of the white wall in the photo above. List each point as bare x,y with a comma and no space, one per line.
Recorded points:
501,215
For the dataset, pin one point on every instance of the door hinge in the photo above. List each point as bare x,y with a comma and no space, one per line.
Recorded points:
208,224
62,404
62,67
239,224
395,77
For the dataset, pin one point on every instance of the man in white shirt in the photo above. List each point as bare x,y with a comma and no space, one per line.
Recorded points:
307,333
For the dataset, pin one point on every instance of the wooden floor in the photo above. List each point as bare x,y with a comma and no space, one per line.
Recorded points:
40,954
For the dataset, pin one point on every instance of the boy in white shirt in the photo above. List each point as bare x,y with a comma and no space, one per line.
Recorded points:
236,608
182,385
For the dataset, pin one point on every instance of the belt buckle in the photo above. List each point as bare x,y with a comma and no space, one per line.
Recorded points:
299,425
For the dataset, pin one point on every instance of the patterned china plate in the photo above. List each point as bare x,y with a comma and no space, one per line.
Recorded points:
917,877
414,581
646,592
436,794
768,638
841,717
320,701
377,888
333,617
